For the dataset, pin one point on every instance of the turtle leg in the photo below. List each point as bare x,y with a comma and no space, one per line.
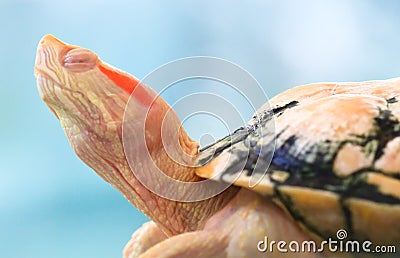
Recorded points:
241,242
200,244
240,229
254,226
148,235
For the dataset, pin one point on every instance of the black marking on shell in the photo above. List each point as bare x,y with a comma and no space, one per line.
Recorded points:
211,151
279,110
387,130
289,206
392,100
359,188
260,120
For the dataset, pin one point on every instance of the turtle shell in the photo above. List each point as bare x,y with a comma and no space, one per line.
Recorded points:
332,162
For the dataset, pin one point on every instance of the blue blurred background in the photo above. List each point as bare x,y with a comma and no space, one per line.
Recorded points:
51,204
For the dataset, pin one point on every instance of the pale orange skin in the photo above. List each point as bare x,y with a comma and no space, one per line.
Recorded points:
90,108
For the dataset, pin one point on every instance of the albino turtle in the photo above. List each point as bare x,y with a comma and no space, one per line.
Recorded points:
335,167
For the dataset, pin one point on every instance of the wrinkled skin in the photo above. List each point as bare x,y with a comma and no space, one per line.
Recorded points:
89,97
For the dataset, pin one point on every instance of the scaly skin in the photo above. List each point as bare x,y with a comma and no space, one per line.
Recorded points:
89,97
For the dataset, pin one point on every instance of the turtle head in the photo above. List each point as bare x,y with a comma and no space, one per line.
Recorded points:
89,96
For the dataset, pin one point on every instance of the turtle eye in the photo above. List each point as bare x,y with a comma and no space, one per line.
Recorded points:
80,60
